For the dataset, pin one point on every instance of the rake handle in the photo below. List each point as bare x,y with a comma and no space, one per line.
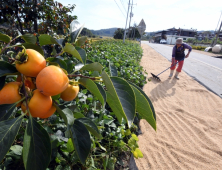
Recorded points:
169,67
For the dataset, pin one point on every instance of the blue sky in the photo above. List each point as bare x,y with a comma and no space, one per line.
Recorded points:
157,14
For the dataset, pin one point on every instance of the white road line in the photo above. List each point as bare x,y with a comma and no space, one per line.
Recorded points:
206,64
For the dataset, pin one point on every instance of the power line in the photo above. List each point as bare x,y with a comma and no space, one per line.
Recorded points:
123,5
120,9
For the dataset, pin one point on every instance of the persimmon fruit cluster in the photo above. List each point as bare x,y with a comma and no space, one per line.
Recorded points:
41,82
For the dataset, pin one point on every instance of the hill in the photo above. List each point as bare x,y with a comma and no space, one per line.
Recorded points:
104,32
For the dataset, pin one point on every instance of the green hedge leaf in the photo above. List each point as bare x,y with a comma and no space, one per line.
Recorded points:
29,38
94,89
17,149
137,153
91,126
81,140
5,38
120,97
69,48
8,131
36,147
45,39
6,69
70,146
61,63
141,102
111,163
66,114
2,82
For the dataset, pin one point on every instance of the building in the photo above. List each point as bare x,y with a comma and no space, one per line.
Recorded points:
170,35
208,34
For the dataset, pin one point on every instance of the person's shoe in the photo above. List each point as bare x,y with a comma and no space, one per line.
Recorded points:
171,73
176,75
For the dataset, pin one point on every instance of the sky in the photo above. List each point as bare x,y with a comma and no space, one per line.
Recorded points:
157,14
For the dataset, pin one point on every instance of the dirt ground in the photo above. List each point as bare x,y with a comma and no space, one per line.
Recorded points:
189,122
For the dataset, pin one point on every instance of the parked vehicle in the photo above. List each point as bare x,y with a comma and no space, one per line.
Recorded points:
163,41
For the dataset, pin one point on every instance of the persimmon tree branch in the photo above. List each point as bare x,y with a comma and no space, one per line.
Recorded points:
79,75
58,54
8,44
26,96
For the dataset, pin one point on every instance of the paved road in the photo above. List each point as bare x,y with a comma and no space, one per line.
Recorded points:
205,69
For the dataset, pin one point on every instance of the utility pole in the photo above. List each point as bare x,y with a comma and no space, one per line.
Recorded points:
131,15
126,23
218,33
134,32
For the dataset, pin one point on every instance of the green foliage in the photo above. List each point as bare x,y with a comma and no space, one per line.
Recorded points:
198,47
190,40
134,33
118,34
36,145
86,32
96,128
41,16
125,57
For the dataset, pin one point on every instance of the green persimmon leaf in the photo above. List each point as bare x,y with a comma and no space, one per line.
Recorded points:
144,106
36,147
5,38
2,82
34,47
82,53
113,70
7,69
120,97
69,48
93,67
45,39
91,126
66,114
61,63
7,109
94,88
29,38
81,140
8,132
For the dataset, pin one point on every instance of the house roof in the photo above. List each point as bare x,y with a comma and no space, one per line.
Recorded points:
190,30
176,29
